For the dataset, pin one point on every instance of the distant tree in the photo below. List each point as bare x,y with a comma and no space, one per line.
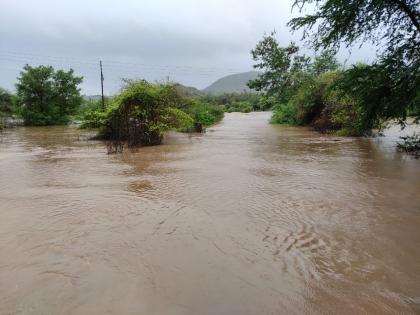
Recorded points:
46,96
281,67
284,70
6,101
324,62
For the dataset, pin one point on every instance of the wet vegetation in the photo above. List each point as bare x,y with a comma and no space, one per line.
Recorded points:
238,102
300,90
347,101
410,145
143,112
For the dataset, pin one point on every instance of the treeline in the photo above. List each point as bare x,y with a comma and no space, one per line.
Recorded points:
348,101
240,102
45,96
321,93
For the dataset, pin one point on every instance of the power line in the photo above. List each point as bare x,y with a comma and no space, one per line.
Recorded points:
21,56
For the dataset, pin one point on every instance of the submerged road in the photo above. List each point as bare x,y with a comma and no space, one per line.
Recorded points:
249,218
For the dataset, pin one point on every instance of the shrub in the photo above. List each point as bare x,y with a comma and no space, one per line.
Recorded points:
93,119
205,114
139,114
410,145
321,103
284,114
242,107
178,120
142,113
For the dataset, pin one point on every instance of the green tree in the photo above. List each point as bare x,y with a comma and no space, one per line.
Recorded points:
282,68
46,96
324,62
390,87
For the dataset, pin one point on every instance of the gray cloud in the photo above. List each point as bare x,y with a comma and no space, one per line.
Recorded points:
191,41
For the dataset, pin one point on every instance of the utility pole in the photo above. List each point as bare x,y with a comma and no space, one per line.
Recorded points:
102,86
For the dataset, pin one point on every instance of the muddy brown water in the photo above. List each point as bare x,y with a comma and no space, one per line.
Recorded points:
249,218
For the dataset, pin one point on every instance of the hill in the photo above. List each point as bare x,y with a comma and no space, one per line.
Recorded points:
188,91
235,83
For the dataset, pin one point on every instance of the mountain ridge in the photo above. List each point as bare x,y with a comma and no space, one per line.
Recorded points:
234,83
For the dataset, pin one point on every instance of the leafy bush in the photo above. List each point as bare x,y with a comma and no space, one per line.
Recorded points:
204,114
93,119
321,103
243,107
139,115
142,113
178,120
284,114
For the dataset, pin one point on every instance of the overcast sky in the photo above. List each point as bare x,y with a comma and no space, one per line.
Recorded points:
190,41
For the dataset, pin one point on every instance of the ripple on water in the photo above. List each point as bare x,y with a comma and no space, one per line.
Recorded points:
249,218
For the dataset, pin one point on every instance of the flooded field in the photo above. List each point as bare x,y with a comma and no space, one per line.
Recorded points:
249,218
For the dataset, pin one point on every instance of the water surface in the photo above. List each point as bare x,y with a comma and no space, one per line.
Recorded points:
249,218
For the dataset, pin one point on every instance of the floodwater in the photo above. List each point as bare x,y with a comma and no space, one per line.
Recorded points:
249,218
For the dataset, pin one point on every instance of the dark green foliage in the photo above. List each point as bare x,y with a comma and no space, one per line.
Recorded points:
386,89
393,22
46,96
390,87
143,112
302,91
320,103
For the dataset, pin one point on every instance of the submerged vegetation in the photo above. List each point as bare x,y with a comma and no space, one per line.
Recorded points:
143,112
410,145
